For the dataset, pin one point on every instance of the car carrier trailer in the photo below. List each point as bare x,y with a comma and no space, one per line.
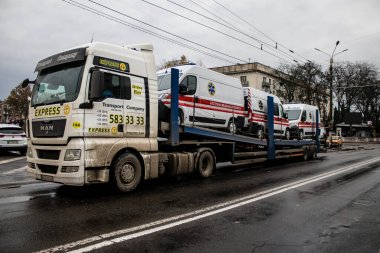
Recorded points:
78,137
209,147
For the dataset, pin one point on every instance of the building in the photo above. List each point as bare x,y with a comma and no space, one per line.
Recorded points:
254,75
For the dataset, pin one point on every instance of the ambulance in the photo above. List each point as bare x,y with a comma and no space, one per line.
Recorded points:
207,98
256,112
302,120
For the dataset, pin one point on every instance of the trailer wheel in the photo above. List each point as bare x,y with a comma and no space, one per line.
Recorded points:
206,164
314,153
127,172
305,156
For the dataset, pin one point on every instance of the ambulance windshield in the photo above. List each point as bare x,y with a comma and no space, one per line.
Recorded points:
57,85
164,81
293,114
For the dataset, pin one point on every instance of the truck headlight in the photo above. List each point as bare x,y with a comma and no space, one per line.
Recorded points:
72,154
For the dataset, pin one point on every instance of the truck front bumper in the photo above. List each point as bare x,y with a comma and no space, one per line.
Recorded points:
48,163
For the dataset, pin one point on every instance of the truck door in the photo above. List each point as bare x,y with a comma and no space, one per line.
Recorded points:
135,108
104,118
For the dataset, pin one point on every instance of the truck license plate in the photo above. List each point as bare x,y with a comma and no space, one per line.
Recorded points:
47,178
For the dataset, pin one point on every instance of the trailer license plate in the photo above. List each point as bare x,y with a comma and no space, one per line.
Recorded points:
47,178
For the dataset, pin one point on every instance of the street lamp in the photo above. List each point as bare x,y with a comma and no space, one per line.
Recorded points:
330,119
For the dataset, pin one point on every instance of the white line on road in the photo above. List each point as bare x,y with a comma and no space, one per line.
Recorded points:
15,171
156,226
12,160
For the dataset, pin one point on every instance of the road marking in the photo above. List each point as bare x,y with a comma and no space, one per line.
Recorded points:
15,170
12,160
156,226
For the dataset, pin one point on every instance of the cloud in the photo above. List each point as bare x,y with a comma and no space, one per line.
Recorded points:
32,30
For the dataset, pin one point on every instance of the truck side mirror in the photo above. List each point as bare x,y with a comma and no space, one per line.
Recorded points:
303,118
26,82
96,85
286,116
183,89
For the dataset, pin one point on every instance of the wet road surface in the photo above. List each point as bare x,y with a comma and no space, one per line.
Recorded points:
272,208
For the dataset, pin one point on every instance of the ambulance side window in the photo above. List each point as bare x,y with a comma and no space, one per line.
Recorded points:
281,111
303,117
191,84
276,110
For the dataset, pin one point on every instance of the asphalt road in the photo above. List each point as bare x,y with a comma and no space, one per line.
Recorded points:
330,204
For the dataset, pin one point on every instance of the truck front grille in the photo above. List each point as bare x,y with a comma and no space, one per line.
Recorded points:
48,154
50,169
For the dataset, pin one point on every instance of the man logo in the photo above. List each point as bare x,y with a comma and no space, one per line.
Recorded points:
47,128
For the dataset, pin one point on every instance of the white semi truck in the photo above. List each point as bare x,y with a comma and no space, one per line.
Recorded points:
93,118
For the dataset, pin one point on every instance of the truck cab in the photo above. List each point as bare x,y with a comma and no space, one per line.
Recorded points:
85,101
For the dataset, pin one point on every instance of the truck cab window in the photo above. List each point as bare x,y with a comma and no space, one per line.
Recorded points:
191,84
111,86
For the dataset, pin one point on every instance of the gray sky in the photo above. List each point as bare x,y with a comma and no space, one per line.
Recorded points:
31,30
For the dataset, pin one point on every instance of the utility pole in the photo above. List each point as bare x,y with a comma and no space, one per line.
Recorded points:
331,75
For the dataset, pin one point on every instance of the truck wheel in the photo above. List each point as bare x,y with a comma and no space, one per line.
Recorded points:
231,127
127,172
206,164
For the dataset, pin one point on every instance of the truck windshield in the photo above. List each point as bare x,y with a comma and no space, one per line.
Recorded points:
293,114
57,85
164,81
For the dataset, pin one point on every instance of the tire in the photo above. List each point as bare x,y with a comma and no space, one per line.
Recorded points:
287,134
305,156
300,135
260,133
231,127
206,164
314,153
127,172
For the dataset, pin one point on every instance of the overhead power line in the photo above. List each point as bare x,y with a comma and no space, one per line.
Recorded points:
123,22
258,30
165,31
234,28
211,28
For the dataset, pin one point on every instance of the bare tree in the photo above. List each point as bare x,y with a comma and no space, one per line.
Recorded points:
305,84
17,103
356,90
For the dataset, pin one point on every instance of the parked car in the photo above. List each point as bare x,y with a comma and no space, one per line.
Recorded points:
12,138
334,141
